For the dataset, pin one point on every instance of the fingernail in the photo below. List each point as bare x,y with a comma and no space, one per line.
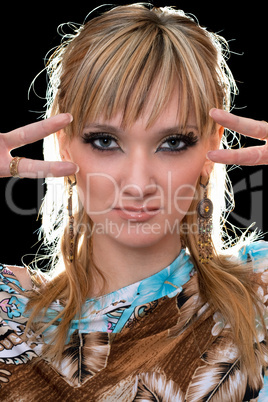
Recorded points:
212,111
70,117
69,167
211,154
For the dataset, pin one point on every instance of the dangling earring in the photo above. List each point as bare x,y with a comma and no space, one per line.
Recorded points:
71,218
204,217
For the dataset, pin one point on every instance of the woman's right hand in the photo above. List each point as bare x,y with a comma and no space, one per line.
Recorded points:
31,168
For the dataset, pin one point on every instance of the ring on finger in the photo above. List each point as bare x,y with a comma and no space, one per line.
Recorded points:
13,166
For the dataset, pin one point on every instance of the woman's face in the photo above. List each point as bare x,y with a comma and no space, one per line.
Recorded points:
137,184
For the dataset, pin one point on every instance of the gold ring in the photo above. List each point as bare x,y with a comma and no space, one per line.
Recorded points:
13,166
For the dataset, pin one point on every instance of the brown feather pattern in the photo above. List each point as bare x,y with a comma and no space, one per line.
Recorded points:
84,356
220,380
154,387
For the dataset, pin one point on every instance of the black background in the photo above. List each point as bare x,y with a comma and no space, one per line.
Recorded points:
28,32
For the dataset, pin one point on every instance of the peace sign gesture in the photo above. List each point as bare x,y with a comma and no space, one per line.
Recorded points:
32,168
256,155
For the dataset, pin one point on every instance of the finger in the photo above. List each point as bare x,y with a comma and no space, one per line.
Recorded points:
36,131
245,156
30,168
249,127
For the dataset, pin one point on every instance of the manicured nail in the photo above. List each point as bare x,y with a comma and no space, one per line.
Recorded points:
212,111
211,154
70,117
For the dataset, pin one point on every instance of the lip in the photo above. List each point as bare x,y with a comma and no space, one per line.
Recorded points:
136,213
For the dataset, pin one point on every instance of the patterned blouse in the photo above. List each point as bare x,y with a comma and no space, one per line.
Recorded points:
153,340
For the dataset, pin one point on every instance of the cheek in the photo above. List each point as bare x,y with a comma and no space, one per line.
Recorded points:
97,191
183,197
183,189
96,188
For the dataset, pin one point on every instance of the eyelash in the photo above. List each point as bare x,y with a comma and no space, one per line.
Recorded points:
189,140
90,138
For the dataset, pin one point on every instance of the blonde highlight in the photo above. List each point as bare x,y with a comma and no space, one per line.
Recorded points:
115,63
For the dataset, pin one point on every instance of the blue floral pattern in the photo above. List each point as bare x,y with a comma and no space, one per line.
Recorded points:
116,313
110,313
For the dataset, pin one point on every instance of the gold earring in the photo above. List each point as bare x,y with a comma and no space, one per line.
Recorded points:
71,218
204,217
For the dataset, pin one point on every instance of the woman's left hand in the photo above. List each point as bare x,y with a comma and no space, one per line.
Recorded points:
256,155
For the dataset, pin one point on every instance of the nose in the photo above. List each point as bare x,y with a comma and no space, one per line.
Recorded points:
138,177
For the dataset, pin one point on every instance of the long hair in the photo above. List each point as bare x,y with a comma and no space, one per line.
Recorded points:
113,63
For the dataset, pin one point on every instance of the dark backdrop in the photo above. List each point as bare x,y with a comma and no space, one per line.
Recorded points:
29,31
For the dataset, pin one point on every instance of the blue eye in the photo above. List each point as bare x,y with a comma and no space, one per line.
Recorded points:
173,144
101,141
178,142
104,142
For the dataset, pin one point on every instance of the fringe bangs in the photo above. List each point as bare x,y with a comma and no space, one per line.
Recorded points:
136,66
128,60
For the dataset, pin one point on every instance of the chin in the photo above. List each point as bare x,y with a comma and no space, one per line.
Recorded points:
135,234
140,242
139,239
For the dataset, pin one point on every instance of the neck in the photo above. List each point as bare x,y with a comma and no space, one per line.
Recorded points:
122,265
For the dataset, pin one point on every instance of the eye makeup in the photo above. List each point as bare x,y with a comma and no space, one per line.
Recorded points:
172,143
178,142
101,141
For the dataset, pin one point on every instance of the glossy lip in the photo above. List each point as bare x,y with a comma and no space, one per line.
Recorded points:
135,213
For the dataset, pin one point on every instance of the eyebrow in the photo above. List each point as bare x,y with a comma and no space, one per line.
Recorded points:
176,129
104,127
118,130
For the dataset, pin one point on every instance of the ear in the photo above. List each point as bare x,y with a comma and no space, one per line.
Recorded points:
63,145
213,143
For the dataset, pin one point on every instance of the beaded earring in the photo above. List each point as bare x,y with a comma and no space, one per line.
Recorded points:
204,218
71,218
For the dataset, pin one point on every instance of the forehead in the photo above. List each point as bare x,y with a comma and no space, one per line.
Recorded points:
171,116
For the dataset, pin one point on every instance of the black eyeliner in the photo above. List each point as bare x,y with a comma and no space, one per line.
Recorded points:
89,138
189,139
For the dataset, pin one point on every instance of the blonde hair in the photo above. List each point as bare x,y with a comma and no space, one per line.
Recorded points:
113,63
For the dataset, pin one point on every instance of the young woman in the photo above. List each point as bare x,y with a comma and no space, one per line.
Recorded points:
144,299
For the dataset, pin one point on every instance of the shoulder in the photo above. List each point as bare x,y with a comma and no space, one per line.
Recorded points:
18,275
